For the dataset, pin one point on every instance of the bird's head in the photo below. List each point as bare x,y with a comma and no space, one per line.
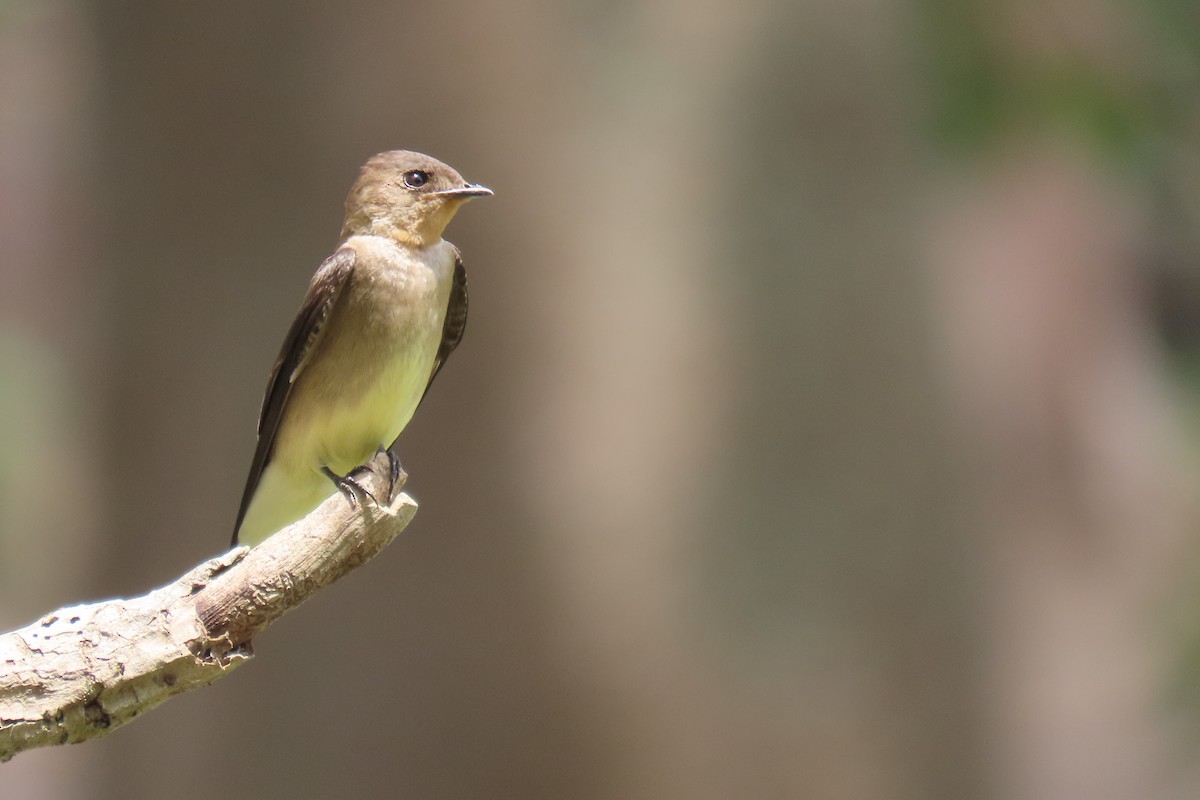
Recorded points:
407,196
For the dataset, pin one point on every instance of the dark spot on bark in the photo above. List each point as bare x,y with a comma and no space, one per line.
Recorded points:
95,715
74,620
50,620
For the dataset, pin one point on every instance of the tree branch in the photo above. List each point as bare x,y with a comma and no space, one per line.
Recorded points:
83,671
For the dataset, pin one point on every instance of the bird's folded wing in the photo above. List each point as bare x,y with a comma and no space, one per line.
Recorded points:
456,320
327,285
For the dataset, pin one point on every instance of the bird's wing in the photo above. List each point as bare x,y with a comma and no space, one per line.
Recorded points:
327,285
456,319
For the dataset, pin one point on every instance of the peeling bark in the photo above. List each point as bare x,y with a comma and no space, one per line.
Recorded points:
85,670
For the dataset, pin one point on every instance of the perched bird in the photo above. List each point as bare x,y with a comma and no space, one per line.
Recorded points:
381,316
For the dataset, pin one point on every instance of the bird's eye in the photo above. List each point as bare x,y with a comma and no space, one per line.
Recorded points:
416,179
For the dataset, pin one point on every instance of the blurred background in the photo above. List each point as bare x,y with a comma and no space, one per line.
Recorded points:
827,424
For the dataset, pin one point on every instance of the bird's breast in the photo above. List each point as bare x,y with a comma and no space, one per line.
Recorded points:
376,359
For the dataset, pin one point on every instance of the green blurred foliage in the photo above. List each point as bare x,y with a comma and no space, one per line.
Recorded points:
1119,107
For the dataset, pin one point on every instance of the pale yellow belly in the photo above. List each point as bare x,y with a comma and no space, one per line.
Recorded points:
345,438
338,417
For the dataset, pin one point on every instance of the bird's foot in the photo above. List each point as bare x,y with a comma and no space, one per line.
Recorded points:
354,487
396,472
350,487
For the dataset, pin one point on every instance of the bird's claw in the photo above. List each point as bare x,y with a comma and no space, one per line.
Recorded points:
396,472
350,487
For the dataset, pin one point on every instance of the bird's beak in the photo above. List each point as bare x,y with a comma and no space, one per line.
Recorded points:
465,192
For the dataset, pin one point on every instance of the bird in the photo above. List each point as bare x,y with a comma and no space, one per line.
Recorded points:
380,317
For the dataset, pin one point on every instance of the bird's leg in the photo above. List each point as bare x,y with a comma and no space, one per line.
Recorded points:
352,487
371,467
349,486
394,464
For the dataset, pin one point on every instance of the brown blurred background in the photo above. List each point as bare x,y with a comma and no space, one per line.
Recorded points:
826,426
